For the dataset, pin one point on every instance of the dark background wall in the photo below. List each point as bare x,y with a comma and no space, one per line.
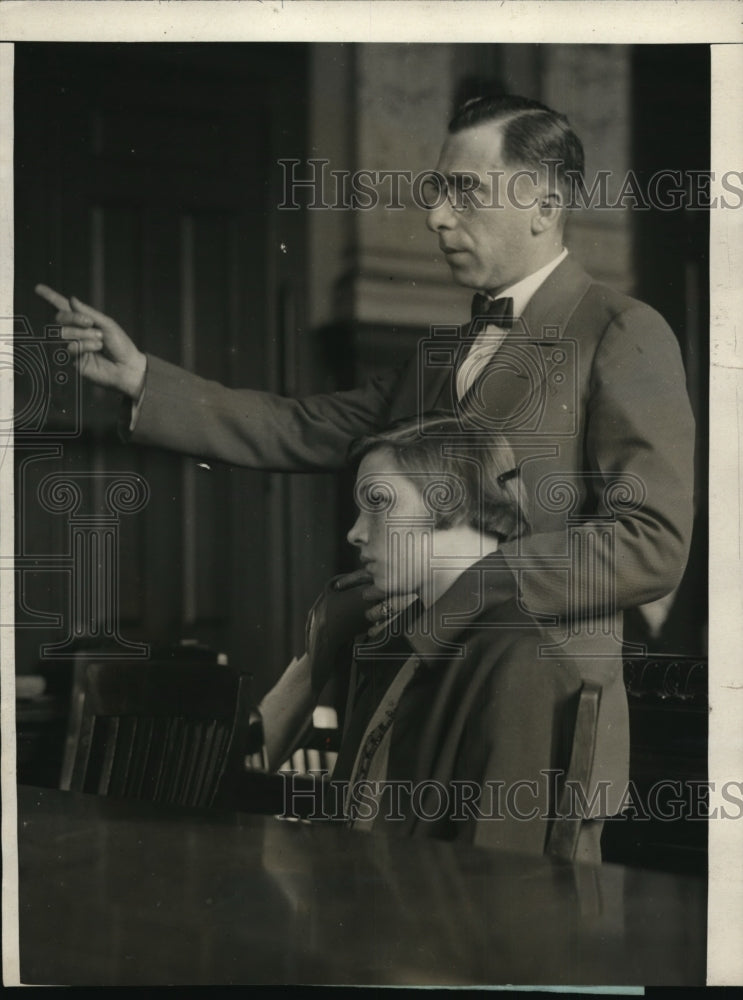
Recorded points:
144,184
671,115
147,183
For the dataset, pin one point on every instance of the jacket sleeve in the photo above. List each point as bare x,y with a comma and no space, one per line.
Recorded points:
248,427
639,454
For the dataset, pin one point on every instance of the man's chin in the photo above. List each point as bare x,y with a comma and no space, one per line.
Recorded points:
462,274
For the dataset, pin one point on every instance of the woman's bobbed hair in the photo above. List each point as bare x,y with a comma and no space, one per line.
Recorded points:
463,478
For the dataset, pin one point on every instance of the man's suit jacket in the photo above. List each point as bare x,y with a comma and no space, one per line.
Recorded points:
588,387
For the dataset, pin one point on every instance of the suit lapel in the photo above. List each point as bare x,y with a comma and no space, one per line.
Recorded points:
555,301
509,393
513,383
509,385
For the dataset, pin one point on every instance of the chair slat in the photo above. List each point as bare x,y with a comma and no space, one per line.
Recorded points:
109,753
126,732
163,731
164,776
140,754
199,783
173,762
194,740
153,771
216,764
100,735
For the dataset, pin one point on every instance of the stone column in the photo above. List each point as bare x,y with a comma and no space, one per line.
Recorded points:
591,84
381,107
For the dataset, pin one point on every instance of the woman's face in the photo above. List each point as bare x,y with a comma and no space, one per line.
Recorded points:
393,530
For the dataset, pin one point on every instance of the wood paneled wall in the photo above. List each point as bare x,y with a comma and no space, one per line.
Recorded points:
147,185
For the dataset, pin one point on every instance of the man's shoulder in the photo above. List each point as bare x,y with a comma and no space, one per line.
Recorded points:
608,304
583,306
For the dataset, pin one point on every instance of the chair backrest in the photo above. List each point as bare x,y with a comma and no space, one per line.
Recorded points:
165,732
563,838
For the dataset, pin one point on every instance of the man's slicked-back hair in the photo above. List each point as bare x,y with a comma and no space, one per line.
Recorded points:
533,135
466,480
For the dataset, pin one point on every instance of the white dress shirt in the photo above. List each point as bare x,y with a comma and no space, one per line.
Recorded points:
490,338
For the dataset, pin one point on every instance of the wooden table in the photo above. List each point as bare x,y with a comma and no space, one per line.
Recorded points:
128,893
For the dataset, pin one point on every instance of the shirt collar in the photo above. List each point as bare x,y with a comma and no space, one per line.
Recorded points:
523,290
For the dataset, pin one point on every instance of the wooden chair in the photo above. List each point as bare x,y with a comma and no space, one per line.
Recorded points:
165,732
319,751
563,838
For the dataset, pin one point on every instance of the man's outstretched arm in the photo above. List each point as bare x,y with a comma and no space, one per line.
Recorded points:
247,427
178,410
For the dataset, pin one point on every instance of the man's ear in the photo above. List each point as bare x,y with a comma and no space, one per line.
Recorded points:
548,212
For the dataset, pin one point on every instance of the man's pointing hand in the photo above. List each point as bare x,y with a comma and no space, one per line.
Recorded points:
105,353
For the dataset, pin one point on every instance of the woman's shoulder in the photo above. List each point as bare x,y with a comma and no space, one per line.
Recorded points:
518,651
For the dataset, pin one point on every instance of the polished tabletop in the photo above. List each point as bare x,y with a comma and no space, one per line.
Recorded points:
130,893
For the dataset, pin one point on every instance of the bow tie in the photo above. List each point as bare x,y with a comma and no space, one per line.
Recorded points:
498,311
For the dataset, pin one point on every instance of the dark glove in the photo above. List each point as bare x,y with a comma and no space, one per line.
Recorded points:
335,619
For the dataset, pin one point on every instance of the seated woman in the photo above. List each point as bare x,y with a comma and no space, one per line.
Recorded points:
455,726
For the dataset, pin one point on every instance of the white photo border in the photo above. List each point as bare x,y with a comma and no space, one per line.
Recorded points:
715,22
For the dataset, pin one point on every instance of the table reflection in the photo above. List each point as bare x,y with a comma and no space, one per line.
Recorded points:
126,893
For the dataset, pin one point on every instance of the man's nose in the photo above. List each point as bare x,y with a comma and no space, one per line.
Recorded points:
441,216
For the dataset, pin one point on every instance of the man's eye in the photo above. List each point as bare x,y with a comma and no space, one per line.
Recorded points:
465,183
464,190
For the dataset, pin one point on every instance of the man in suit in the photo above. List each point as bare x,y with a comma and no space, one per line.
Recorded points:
585,383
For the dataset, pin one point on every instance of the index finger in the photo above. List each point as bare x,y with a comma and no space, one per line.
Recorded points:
52,297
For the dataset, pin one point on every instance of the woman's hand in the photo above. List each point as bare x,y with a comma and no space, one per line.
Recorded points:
334,620
104,353
379,607
347,607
